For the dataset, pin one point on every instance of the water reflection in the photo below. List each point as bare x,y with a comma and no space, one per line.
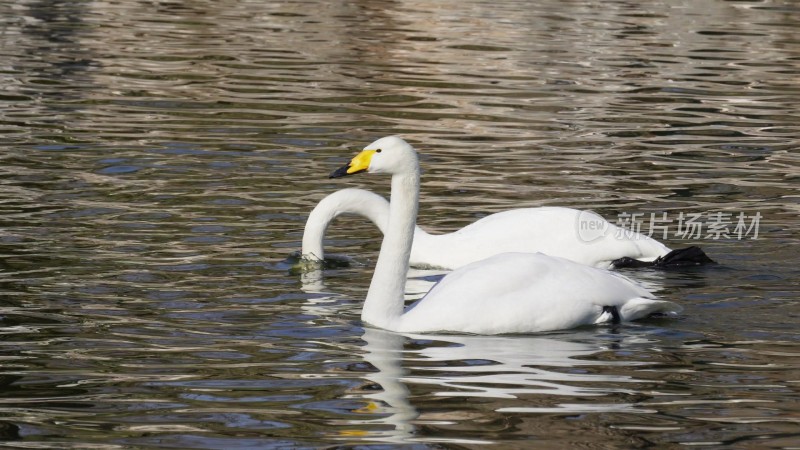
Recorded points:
506,367
391,404
557,369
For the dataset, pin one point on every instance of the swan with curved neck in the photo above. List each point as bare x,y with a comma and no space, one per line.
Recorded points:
507,293
345,201
580,236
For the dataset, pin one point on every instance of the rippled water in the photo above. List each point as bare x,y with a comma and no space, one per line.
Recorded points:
159,159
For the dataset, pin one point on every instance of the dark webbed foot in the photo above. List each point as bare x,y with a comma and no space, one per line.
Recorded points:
682,257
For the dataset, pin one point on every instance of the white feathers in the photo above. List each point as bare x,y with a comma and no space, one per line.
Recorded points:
580,236
505,293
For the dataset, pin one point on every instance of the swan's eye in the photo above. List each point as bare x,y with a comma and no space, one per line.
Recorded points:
378,151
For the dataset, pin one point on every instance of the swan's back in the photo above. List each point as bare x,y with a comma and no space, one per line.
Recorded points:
554,231
524,293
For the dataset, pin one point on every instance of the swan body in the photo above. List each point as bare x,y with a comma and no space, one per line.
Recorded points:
532,292
506,293
555,231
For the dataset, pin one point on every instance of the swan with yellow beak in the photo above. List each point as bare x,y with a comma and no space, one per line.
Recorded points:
506,293
578,235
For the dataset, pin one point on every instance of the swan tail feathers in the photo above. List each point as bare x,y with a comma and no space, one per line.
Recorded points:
639,308
682,257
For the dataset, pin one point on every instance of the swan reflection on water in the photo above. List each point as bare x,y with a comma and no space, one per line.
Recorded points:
509,368
324,302
499,367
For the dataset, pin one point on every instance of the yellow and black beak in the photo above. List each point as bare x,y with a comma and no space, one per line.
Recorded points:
358,164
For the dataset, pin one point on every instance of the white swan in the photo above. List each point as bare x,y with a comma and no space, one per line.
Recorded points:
580,236
507,293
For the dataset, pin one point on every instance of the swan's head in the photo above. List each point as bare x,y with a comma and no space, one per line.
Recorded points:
390,155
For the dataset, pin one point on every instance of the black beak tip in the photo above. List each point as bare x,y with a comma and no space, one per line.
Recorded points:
340,172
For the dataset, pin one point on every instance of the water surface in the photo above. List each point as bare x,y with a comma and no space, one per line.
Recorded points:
159,160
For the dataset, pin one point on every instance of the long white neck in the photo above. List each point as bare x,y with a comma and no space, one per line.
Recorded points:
346,201
384,304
